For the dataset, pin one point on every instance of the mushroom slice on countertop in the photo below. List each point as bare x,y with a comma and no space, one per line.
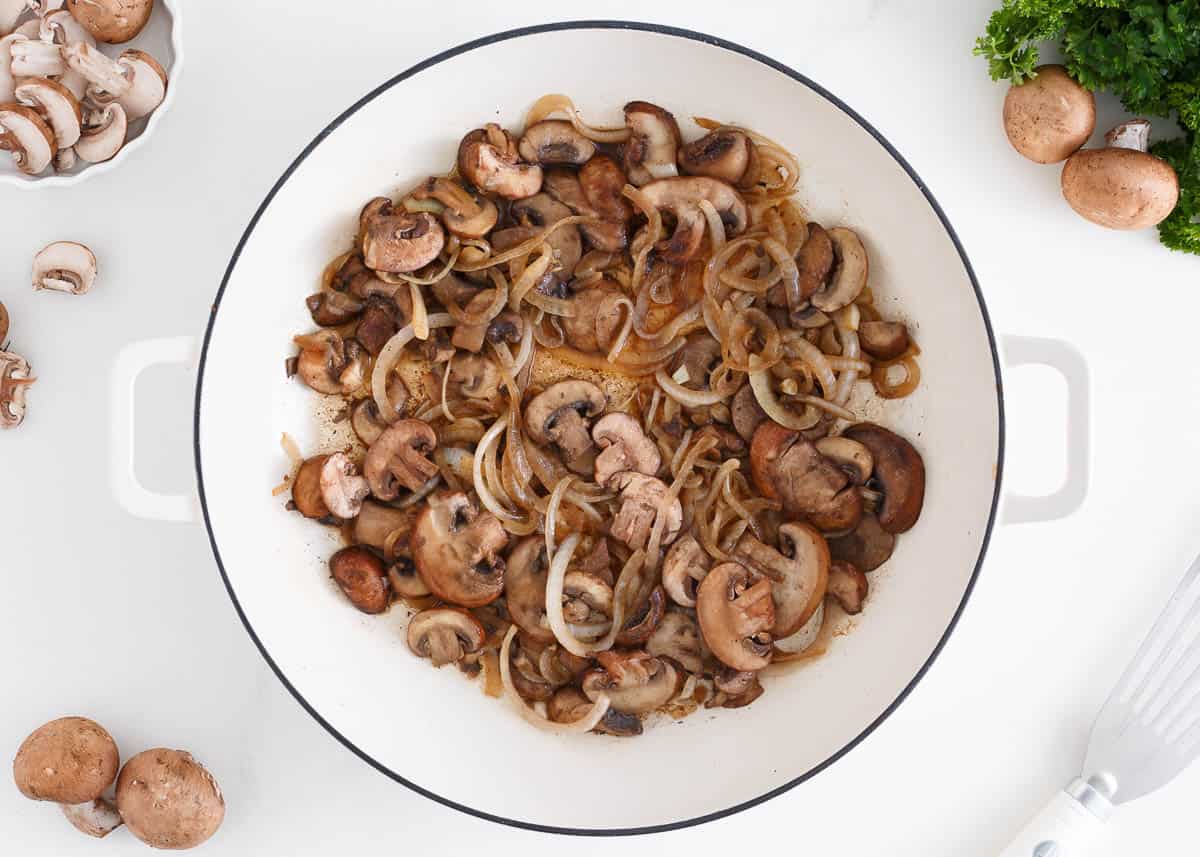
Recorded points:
148,84
635,682
64,266
342,488
849,275
400,458
555,141
682,196
685,566
488,158
725,153
31,57
899,473
883,340
360,574
788,468
54,103
654,139
107,79
525,577
330,364
678,637
642,499
457,550
445,635
799,573
867,546
623,447
736,613
560,414
168,800
848,586
27,136
399,242
103,134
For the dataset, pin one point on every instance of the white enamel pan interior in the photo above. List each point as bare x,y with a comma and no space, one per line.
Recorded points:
434,730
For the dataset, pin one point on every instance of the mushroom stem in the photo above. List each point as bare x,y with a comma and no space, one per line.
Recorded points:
1134,134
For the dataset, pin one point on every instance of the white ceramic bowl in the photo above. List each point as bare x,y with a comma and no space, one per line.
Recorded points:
434,730
162,38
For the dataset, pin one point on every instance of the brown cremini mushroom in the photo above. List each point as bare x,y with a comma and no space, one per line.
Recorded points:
361,576
867,546
899,473
1121,186
330,364
70,760
789,468
643,619
488,158
678,637
623,447
798,572
852,457
64,266
331,308
814,260
103,134
635,682
849,275
602,182
27,136
681,196
465,215
559,415
112,21
569,704
399,458
404,580
883,340
15,380
525,576
376,523
342,488
654,139
745,412
306,488
555,141
1049,116
565,186
541,210
735,688
168,800
684,567
54,103
725,153
736,613
457,550
398,243
445,635
642,501
848,586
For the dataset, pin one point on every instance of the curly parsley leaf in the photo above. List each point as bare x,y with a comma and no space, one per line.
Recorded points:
1180,231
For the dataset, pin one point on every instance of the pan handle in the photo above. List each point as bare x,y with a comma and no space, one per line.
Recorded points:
1066,359
1068,826
132,360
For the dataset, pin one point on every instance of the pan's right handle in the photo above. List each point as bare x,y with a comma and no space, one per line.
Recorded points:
132,360
1068,827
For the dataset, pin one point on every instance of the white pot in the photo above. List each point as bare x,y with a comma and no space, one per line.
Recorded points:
434,730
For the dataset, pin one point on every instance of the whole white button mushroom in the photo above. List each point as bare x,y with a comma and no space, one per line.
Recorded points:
168,800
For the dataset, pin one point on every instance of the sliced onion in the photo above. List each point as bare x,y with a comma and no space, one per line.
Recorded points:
716,229
788,271
527,246
585,724
815,358
389,356
760,383
888,390
291,449
418,495
622,336
622,600
652,408
806,636
420,315
481,487
530,277
485,315
548,105
686,396
554,596
396,279
556,497
550,305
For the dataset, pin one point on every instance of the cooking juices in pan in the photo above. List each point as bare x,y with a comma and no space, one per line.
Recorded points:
607,384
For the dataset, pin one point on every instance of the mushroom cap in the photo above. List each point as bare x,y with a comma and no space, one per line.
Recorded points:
635,682
624,447
678,637
899,471
306,488
725,153
848,586
883,340
682,195
399,243
169,800
849,273
330,364
112,21
360,575
736,611
69,760
148,84
24,133
798,575
1120,188
602,182
556,414
64,266
654,139
525,576
684,567
867,546
3,325
1049,116
555,141
788,468
445,635
342,489
55,103
643,619
850,455
376,522
488,159
400,458
104,135
457,550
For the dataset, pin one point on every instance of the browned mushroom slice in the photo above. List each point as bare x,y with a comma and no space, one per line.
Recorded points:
602,182
643,619
883,340
569,704
814,261
868,546
850,455
306,488
736,613
610,235
798,573
681,197
475,376
445,635
465,215
735,688
685,566
457,550
362,578
555,141
379,322
331,308
595,308
402,242
559,415
378,524
635,682
725,153
342,488
399,458
789,468
525,587
849,275
650,150
488,158
899,473
330,364
542,210
678,637
366,422
848,586
524,662
642,500
623,447
746,413
404,580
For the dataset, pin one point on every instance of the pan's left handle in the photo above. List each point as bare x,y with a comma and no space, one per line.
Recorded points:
132,360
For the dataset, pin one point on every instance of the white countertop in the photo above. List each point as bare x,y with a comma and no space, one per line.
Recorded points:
127,621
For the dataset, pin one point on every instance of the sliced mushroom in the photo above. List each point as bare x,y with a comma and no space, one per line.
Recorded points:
747,415
525,587
378,323
564,185
400,242
678,637
64,160
685,566
736,613
148,84
725,153
3,326
543,210
475,376
445,635
788,468
867,546
850,455
361,577
62,28
404,580
602,182
642,499
623,447
555,141
107,79
27,136
899,473
654,139
488,159
595,309
103,134
11,12
849,273
643,619
457,550
848,586
377,525
465,215
112,21
31,57
560,414
7,80
570,704
15,379
799,573
814,261
400,458
635,682
306,488
682,197
586,598
883,340
64,266
342,488
331,308
54,103
330,364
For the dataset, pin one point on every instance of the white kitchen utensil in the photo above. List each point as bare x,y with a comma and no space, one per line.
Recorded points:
1147,732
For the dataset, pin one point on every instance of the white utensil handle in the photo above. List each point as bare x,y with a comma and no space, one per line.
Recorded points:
1066,359
135,498
1063,829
